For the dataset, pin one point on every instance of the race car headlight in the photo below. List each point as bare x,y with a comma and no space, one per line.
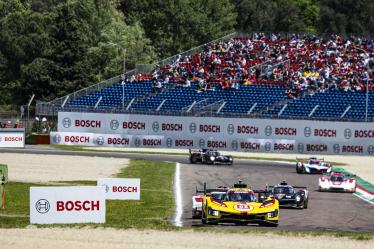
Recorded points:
230,158
273,214
298,198
212,158
213,212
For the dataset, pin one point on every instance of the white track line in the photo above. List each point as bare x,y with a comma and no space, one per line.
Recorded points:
362,198
178,197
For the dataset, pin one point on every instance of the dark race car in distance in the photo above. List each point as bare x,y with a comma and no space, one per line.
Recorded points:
288,196
209,156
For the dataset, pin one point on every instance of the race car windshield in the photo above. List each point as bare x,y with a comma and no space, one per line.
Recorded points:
283,190
218,196
214,153
241,197
337,178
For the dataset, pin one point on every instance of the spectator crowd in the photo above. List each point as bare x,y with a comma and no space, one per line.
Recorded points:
303,64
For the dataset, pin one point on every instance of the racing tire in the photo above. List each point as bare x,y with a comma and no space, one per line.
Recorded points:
306,204
193,160
203,219
299,169
303,170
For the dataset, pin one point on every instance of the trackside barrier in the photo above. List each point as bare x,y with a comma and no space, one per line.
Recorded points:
235,134
12,137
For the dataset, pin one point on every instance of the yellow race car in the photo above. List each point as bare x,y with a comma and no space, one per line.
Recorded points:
241,206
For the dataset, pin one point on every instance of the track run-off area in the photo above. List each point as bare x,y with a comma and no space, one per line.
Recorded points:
325,212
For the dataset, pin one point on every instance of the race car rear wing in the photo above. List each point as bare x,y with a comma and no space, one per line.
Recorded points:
224,189
304,187
190,151
210,190
306,159
345,174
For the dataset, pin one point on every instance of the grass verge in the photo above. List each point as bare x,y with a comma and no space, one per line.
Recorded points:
153,211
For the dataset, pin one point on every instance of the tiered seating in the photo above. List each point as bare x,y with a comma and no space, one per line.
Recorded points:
330,105
112,96
237,100
336,70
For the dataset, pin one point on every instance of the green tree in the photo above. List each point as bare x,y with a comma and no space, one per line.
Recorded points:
176,26
115,39
277,15
55,47
347,16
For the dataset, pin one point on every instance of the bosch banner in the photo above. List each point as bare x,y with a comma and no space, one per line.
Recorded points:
12,138
67,205
120,188
239,134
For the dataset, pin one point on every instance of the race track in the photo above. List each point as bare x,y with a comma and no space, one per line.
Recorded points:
326,211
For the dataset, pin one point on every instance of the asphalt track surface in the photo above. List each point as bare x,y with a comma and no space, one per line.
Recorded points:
325,212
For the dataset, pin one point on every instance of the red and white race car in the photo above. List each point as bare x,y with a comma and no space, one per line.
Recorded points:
337,182
197,201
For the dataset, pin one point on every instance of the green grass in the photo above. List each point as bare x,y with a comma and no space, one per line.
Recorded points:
153,211
156,204
16,212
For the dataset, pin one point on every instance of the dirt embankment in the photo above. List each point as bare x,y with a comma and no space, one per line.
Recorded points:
52,168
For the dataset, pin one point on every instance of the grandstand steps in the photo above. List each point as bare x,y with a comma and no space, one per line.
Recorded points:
151,94
205,106
275,106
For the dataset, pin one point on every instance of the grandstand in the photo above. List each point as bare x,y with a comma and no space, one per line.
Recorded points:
254,75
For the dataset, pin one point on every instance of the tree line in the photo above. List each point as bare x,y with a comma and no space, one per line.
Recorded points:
54,47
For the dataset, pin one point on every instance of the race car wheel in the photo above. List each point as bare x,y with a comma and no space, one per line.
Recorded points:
203,218
306,204
298,169
193,160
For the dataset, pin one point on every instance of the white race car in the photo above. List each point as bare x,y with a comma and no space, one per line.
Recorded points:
337,182
312,166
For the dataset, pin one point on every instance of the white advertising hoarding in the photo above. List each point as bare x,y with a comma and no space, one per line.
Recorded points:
238,134
67,205
12,138
130,124
120,188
